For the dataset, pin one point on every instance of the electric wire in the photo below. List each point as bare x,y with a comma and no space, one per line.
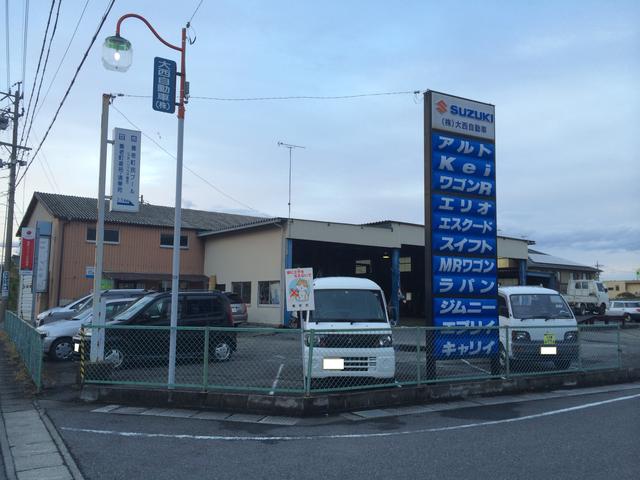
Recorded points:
71,84
194,12
44,69
6,27
216,188
289,97
64,55
25,30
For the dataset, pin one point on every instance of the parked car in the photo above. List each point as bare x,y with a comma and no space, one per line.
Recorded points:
343,303
85,303
58,335
150,346
541,326
238,308
627,309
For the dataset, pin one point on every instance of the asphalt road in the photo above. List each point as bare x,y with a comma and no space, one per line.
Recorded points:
584,436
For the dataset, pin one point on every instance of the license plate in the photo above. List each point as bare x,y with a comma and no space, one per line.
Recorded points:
548,351
333,363
76,347
549,339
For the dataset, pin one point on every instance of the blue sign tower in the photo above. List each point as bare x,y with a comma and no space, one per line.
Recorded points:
461,265
164,85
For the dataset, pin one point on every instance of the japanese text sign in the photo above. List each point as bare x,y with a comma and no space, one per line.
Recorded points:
299,284
125,171
27,247
461,241
164,85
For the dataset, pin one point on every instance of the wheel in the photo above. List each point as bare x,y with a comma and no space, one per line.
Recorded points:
114,356
562,363
499,362
580,309
602,309
220,350
626,318
61,349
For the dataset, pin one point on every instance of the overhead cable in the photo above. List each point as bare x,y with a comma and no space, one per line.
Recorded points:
25,30
290,97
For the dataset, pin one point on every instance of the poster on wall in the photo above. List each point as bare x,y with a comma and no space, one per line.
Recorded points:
461,236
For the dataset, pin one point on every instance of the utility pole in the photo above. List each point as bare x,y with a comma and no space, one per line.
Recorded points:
290,147
11,198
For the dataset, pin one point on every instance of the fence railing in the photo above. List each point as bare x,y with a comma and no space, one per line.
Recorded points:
295,362
28,343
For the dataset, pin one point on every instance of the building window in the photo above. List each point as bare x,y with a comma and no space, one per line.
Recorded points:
166,240
269,292
243,289
405,264
110,236
617,288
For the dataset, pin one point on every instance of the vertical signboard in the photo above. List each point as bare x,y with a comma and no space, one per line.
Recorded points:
40,283
299,284
460,219
125,171
27,245
164,85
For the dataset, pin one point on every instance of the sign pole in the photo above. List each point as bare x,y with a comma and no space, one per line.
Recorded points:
430,365
97,337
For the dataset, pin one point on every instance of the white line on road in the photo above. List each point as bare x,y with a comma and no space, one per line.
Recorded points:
224,438
476,367
275,381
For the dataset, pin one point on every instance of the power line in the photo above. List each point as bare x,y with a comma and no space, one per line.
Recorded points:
6,27
25,29
44,69
290,97
195,11
73,80
216,188
84,9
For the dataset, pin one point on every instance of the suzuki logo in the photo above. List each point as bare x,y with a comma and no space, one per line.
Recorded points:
441,106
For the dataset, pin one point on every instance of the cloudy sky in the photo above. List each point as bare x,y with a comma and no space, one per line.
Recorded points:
564,78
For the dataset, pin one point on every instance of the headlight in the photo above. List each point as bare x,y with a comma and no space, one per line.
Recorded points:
385,341
520,336
318,340
571,336
43,333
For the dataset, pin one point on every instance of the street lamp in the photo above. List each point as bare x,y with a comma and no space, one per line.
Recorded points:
117,55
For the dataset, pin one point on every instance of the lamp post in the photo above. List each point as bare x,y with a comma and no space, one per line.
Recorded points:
117,55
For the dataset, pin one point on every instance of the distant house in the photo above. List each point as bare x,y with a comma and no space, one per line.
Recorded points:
555,272
620,287
138,246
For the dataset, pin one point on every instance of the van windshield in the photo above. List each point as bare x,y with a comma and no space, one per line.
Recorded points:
601,287
353,306
546,306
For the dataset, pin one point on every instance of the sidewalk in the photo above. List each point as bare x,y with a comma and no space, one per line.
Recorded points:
30,446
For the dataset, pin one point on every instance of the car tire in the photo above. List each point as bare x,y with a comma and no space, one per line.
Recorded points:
61,349
602,309
626,318
220,350
115,357
580,310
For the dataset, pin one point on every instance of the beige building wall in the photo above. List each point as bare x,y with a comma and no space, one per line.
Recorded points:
248,256
616,287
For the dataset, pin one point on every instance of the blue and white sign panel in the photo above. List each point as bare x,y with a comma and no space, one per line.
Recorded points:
164,85
125,171
461,217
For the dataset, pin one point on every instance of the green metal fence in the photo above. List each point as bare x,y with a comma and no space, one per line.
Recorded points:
295,362
28,343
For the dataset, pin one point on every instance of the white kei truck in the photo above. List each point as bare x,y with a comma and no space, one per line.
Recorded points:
587,296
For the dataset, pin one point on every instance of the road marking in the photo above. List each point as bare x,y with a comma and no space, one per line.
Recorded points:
223,438
476,367
275,381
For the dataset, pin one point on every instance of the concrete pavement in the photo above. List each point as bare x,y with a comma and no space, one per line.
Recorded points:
30,446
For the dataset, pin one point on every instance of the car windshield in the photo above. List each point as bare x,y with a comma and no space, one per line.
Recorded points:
130,312
601,287
545,306
348,306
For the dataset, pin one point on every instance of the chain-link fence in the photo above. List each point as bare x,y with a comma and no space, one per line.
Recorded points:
28,343
292,361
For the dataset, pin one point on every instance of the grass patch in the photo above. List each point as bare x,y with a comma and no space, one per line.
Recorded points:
21,374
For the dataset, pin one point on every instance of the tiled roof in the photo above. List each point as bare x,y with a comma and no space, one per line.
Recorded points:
539,259
84,209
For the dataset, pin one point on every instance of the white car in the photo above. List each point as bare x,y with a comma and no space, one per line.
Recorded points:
628,309
346,303
58,336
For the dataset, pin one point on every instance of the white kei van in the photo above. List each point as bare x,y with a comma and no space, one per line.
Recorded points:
346,303
541,326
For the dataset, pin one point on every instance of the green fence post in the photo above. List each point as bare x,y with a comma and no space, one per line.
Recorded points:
307,386
507,355
619,346
205,367
580,367
418,364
